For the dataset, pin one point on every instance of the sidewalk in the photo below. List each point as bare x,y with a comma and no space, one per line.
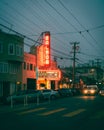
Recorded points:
19,107
9,108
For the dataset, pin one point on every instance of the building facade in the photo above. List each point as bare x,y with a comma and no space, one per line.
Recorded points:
39,78
11,59
19,70
29,75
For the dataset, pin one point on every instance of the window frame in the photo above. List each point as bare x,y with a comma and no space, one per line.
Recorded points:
11,46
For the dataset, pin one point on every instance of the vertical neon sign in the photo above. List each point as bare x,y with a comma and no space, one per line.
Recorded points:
47,49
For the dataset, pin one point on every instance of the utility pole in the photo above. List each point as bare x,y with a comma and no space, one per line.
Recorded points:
98,66
75,49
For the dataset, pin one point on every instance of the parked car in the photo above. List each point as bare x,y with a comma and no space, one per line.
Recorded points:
24,96
101,92
65,92
90,90
50,94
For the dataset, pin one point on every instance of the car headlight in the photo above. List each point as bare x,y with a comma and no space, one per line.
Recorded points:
92,91
85,91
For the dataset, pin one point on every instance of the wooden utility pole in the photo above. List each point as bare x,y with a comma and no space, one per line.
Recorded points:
98,63
75,49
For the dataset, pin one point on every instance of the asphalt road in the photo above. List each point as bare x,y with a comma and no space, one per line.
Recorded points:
72,113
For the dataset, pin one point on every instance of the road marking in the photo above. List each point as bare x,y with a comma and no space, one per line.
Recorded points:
52,112
74,113
30,111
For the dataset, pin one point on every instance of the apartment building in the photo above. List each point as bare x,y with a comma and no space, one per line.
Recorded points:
11,59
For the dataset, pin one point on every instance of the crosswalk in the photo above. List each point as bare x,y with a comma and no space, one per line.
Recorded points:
43,111
74,113
30,111
52,112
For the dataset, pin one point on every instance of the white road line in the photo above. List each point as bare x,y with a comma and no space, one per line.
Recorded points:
30,111
71,114
52,112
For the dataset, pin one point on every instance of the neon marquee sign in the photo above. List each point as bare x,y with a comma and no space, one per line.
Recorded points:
47,49
43,51
49,74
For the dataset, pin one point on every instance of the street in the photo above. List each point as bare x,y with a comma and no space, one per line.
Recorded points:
82,113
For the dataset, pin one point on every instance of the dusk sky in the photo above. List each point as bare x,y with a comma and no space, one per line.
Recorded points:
68,21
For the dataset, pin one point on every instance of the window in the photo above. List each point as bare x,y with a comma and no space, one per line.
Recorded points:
19,50
24,65
13,68
1,47
3,67
31,67
11,49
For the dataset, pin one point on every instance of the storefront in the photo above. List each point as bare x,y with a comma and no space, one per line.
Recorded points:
48,79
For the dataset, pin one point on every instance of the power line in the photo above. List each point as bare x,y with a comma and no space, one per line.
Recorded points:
78,22
24,36
26,18
61,15
68,22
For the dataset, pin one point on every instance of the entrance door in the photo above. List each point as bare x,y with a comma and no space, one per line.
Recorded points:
53,85
31,83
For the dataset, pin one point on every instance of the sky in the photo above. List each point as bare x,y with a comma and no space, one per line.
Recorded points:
68,21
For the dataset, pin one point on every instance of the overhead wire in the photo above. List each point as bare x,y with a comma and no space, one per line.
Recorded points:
54,22
79,23
71,23
19,13
32,10
53,33
24,36
19,22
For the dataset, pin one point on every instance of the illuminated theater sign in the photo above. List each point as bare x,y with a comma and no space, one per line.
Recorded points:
49,74
46,49
43,51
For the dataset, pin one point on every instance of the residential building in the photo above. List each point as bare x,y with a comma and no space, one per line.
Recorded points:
11,59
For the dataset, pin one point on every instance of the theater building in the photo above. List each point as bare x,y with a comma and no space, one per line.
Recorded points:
39,70
36,78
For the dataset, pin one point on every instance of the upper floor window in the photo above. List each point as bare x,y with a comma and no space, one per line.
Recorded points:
24,65
31,66
19,50
1,47
11,49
